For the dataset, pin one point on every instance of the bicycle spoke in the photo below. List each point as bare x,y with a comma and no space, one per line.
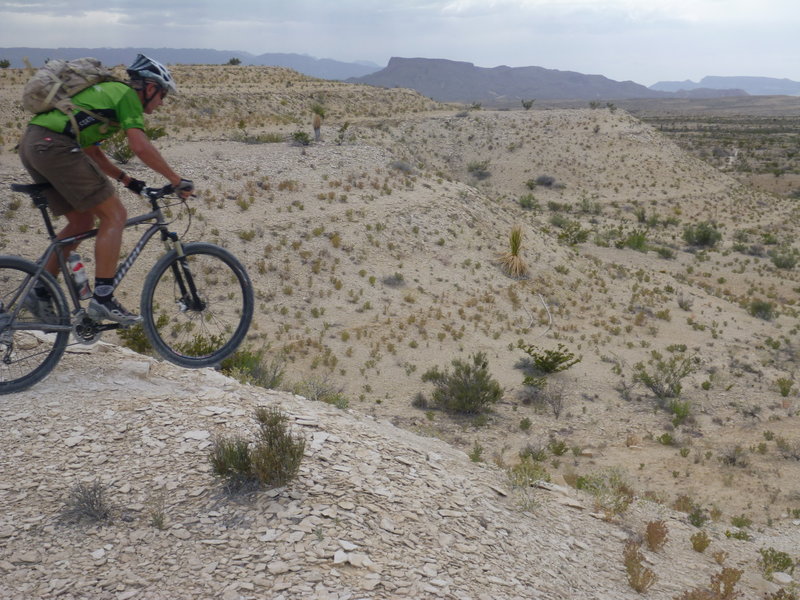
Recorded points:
28,348
199,330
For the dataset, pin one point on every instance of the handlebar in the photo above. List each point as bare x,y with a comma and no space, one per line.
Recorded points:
157,193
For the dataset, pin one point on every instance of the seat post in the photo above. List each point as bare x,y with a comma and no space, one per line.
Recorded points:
41,203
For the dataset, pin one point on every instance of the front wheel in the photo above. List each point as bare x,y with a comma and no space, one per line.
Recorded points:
29,346
197,307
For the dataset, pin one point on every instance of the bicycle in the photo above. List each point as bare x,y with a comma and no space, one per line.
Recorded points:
196,301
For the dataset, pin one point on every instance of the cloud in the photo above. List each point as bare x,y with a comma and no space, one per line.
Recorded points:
623,39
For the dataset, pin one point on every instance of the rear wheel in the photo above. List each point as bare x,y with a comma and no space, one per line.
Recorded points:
29,348
197,308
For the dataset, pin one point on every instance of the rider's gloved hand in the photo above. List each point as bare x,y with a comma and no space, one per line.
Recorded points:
184,188
136,186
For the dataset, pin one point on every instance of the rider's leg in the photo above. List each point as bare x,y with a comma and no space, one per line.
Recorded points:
112,216
103,305
76,223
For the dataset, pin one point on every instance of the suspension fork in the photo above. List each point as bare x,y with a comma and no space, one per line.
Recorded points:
182,273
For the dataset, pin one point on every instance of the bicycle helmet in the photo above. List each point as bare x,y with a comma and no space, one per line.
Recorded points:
151,70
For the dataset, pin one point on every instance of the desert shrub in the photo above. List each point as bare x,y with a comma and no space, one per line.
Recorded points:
741,521
781,594
664,252
251,366
545,181
469,389
784,258
135,338
527,472
320,389
549,361
787,449
739,534
476,454
117,148
87,501
544,395
528,202
571,232
762,309
301,138
258,138
640,578
479,169
700,541
663,376
722,587
609,488
342,133
636,240
685,302
773,561
394,281
656,535
784,385
272,460
526,104
522,477
681,410
703,234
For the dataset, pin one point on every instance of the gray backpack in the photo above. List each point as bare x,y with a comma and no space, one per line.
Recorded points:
54,85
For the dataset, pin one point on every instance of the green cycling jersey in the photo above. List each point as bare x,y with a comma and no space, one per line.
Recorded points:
114,101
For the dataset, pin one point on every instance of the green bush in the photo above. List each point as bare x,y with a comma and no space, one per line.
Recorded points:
784,258
549,361
635,240
610,489
528,202
249,366
761,309
479,169
301,138
272,460
703,234
773,561
117,147
469,389
663,376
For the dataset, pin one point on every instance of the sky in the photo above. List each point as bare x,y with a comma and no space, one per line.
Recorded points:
638,40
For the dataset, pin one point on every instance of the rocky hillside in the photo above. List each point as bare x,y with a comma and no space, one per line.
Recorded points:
376,512
374,259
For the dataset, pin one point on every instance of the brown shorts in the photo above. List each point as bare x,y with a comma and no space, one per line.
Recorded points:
78,183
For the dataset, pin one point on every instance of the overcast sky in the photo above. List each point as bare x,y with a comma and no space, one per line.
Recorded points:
640,40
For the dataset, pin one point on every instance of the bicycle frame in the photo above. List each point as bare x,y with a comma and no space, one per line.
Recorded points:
170,239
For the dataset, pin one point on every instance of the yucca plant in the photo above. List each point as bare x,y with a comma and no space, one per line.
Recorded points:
511,261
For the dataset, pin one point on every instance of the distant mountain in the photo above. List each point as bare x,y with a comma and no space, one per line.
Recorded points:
756,86
322,68
452,81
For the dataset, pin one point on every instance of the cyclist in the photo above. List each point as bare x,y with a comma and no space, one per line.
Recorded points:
79,171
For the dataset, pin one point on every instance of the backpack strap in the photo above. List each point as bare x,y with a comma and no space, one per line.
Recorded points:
69,109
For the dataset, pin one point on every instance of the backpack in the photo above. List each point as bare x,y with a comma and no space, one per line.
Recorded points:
54,85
